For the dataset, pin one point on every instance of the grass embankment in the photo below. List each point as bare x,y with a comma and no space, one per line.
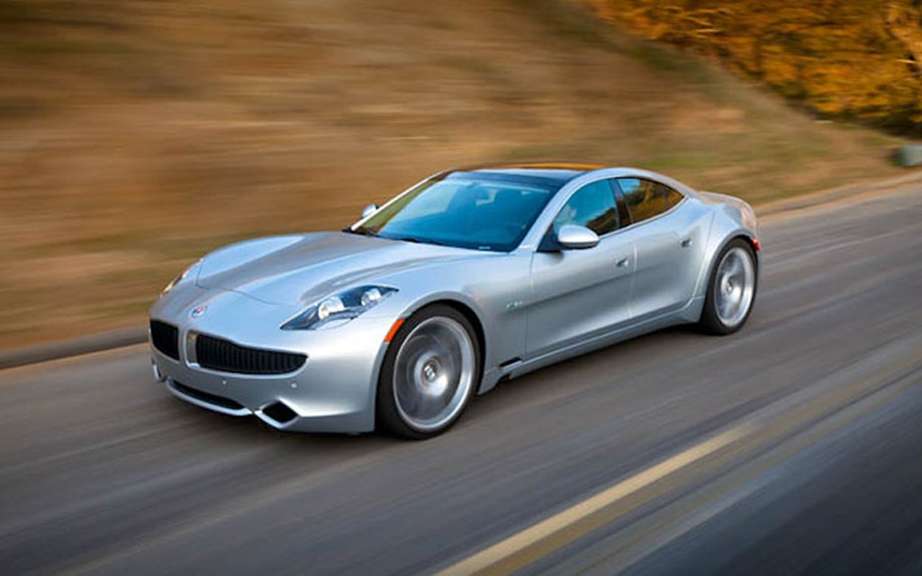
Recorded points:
138,135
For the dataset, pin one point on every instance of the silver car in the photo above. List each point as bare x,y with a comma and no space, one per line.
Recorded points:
470,277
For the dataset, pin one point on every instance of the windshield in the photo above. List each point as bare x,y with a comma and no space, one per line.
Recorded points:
468,210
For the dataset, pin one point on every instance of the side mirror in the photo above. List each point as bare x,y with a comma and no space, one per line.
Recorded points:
369,210
573,237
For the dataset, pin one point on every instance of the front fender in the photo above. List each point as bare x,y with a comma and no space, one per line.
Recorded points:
492,288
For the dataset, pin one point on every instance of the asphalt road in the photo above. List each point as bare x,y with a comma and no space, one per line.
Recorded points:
793,447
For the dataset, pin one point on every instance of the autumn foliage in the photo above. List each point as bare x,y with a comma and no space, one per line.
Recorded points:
841,58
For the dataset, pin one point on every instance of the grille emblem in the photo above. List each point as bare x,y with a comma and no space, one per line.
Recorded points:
198,311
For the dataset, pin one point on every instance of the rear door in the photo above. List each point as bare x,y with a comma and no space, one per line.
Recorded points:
667,238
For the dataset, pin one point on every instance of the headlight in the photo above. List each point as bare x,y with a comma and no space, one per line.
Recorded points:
342,306
187,273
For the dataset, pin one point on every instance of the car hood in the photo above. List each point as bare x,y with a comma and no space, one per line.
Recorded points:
302,269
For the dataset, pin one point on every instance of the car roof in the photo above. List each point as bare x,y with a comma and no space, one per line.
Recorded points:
558,173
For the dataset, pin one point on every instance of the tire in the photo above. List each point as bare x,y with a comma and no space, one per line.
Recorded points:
720,315
430,371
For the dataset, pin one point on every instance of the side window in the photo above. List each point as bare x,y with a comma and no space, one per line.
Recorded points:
672,197
592,206
646,199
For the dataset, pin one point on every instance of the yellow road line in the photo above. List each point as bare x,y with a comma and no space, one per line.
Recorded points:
544,529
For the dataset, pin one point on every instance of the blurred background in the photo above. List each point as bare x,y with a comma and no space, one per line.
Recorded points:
137,135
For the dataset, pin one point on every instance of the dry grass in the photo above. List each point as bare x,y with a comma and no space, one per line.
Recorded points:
137,135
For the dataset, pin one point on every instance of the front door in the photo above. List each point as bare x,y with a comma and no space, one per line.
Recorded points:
577,294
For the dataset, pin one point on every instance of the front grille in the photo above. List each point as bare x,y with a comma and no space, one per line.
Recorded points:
217,354
165,338
207,397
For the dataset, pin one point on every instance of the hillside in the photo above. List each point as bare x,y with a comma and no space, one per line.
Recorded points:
848,59
138,135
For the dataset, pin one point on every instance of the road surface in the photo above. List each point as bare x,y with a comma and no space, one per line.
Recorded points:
793,447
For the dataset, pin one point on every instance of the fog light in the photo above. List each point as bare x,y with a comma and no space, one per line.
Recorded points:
158,375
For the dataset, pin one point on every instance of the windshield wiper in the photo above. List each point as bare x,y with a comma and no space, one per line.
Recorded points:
416,240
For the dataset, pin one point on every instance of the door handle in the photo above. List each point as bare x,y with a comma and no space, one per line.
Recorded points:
623,263
687,242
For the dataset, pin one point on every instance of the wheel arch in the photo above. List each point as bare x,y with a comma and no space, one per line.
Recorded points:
713,253
470,312
455,304
737,234
740,234
749,239
471,315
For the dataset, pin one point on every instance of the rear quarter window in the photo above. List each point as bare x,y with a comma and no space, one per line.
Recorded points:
646,199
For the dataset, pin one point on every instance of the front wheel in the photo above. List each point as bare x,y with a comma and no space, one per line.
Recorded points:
731,290
430,371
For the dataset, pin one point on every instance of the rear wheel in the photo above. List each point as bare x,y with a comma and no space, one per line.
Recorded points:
430,371
731,290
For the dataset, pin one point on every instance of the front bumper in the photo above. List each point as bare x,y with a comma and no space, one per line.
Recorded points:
334,391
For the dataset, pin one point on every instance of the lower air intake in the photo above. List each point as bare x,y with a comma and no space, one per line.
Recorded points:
207,397
165,338
279,412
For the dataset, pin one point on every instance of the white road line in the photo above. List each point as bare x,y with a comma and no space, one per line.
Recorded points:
521,540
